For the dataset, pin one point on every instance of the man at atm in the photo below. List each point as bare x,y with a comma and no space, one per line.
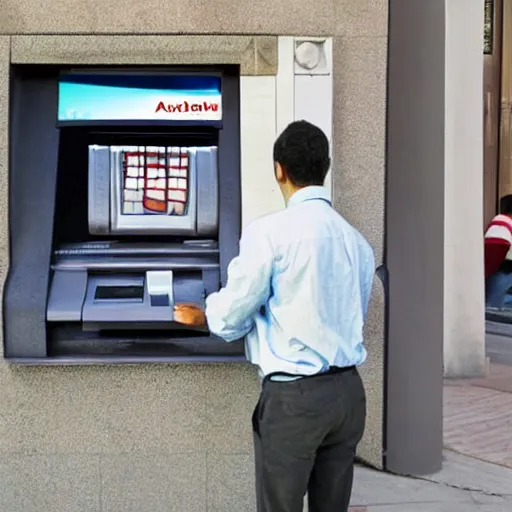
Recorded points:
299,291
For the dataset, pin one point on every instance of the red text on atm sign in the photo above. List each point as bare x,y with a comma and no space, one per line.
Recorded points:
185,106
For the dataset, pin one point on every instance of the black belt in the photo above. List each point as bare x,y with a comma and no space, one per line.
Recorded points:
332,370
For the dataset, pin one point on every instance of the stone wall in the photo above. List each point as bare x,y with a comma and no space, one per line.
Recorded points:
177,438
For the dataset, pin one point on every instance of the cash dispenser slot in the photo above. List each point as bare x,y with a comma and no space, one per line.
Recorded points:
137,301
118,295
129,301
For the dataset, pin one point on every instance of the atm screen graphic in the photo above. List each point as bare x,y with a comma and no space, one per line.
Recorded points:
100,97
155,180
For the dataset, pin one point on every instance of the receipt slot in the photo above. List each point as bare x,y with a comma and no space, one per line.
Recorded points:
159,288
127,202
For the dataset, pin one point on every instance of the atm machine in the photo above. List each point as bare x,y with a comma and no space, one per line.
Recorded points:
125,199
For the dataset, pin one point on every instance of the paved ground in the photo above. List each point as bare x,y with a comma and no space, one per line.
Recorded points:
477,428
498,342
464,485
478,416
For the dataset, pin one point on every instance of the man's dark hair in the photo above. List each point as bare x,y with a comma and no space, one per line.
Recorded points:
506,205
303,152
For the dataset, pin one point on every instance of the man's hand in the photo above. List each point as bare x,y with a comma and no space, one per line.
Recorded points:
189,314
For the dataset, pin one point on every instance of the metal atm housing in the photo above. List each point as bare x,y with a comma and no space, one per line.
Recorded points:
114,219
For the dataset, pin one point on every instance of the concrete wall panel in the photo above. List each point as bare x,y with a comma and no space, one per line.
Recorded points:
161,17
367,18
256,55
121,437
359,136
372,372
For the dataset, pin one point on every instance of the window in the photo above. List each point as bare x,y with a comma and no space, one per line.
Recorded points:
489,27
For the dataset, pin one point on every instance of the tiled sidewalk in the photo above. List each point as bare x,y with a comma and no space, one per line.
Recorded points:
478,416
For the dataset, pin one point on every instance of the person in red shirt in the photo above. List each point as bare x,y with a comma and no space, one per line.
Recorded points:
498,256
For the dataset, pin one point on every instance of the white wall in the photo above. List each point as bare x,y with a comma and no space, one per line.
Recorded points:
260,193
313,99
268,105
464,325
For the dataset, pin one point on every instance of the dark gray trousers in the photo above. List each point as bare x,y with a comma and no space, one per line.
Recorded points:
305,437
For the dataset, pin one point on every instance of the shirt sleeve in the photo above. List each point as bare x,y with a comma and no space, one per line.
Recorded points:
230,312
369,275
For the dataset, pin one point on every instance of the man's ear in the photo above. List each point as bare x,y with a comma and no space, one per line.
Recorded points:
279,172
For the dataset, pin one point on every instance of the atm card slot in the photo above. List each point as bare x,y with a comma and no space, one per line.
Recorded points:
128,293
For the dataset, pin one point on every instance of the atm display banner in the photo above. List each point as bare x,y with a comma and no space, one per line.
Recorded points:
91,97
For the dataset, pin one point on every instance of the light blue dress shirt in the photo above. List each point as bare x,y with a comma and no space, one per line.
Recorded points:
299,289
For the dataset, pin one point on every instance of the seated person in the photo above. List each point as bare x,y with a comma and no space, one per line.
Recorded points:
498,256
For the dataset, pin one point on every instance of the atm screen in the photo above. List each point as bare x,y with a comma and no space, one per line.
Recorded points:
155,180
143,189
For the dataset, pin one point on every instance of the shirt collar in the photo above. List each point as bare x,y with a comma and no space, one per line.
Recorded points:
308,194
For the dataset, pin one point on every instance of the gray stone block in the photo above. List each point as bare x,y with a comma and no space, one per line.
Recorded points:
372,373
232,393
231,486
142,482
158,16
359,145
256,55
33,483
362,18
359,193
104,410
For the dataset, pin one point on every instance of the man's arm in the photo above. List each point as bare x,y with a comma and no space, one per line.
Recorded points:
230,312
368,269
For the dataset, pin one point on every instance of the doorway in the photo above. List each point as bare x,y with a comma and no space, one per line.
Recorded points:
495,108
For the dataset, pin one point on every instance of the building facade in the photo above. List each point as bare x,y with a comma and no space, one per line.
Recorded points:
177,437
